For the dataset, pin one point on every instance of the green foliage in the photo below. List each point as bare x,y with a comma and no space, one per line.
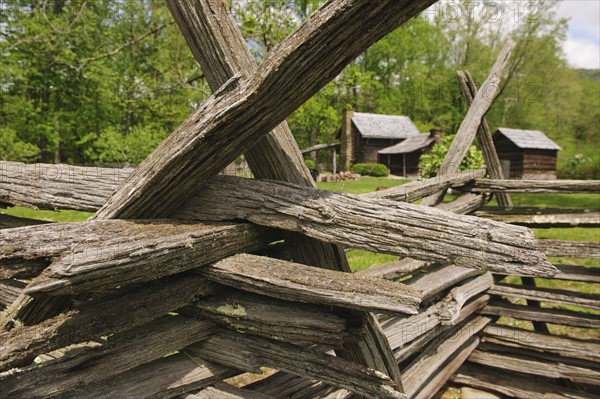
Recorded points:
360,260
88,82
432,161
581,167
370,169
310,164
14,149
113,148
74,71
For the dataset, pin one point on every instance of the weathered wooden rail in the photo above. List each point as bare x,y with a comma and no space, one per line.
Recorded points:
169,289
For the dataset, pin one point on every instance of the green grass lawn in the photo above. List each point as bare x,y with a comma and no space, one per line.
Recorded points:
366,184
51,216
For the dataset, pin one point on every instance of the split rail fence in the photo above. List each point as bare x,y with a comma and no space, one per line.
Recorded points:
184,278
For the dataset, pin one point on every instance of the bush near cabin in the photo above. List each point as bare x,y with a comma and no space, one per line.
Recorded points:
370,169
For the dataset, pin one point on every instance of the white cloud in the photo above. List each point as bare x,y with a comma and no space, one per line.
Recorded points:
582,54
582,47
584,18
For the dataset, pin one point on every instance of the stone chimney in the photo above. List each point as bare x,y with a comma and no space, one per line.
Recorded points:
347,142
437,133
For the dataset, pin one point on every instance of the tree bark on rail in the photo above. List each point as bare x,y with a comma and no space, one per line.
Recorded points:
105,254
401,229
295,282
250,353
533,186
123,352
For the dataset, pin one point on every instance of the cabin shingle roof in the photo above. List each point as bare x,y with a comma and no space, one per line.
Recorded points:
411,144
377,126
528,139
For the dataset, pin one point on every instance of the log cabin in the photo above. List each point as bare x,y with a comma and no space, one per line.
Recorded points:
363,135
403,159
526,154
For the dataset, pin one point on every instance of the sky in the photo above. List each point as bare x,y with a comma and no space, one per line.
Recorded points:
582,46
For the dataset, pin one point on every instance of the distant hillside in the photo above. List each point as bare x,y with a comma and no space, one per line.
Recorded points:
590,74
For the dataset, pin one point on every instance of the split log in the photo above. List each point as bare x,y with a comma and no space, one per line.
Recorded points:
513,384
464,204
101,255
23,269
418,189
570,249
281,320
439,279
549,343
525,362
9,291
225,391
232,120
453,303
394,270
578,273
384,226
29,310
469,126
122,353
560,297
484,136
447,311
533,186
167,377
426,364
292,386
296,282
403,330
443,374
277,155
437,335
97,317
250,353
546,315
543,218
46,186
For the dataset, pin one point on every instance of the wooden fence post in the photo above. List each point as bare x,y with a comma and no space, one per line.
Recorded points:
469,126
484,137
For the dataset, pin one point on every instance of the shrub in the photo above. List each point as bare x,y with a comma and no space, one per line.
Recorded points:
370,169
432,161
310,164
580,167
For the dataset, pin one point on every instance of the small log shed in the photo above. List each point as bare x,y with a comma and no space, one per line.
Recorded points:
403,158
526,154
363,135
